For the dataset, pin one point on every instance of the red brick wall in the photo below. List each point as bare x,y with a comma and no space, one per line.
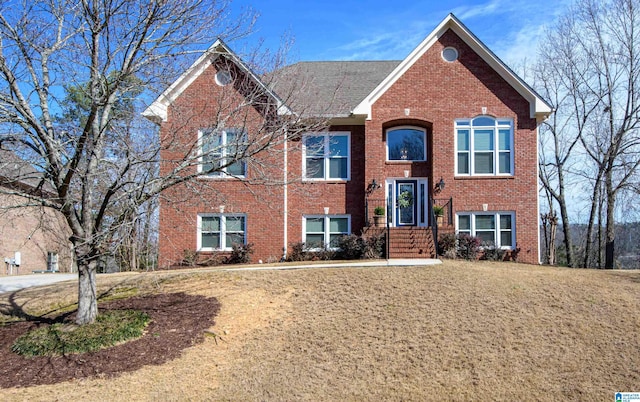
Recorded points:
202,105
263,205
436,93
310,198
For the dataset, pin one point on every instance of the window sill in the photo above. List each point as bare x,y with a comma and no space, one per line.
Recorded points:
214,250
484,177
336,181
402,162
225,177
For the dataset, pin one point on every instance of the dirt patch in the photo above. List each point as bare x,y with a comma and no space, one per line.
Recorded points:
178,321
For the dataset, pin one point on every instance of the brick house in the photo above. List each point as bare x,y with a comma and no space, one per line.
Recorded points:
36,236
450,125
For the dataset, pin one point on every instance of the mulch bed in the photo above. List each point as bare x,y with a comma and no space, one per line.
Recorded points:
178,321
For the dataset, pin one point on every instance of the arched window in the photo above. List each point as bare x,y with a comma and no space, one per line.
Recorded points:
484,146
406,144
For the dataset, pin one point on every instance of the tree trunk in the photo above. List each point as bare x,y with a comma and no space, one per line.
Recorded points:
596,200
87,298
553,228
566,229
609,253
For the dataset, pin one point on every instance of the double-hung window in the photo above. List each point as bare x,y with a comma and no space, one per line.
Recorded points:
222,151
484,146
220,232
494,229
322,231
326,156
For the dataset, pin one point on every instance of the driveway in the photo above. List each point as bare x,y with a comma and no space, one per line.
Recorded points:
13,283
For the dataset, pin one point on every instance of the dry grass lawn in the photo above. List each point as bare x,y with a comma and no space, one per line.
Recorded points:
456,331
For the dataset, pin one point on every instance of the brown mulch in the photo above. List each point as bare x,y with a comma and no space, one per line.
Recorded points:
178,320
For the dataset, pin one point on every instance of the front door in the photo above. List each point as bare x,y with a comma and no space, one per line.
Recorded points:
406,202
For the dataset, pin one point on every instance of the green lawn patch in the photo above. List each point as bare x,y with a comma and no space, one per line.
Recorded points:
109,329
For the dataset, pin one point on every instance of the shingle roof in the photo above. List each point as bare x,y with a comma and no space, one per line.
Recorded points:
329,88
16,172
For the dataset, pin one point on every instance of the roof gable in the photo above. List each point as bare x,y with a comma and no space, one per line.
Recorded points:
539,108
157,111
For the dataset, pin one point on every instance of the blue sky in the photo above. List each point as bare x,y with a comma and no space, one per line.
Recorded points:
389,30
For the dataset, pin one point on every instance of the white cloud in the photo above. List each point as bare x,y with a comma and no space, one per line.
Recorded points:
520,45
468,12
387,45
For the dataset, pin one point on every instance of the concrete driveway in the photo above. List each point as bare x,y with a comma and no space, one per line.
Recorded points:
13,283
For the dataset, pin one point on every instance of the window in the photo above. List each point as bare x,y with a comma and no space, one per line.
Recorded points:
220,232
221,152
326,156
223,78
450,54
484,146
52,261
492,228
322,230
406,144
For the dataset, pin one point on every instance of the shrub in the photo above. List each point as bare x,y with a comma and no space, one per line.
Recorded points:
492,253
468,246
323,254
240,253
447,245
297,252
374,246
110,328
350,247
190,258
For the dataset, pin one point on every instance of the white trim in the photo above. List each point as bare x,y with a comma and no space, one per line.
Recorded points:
496,146
222,173
497,230
452,51
539,109
223,231
420,198
327,233
326,158
157,110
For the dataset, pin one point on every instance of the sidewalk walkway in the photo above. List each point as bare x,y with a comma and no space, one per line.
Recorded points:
371,263
13,283
17,282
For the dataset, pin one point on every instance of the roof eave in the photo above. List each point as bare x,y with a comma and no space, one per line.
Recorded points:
157,111
539,107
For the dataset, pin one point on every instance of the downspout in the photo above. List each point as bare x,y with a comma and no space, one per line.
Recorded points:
537,194
285,198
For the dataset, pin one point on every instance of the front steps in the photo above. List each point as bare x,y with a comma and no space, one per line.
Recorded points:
409,241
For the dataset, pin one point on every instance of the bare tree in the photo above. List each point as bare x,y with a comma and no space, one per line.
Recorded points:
593,50
101,172
558,135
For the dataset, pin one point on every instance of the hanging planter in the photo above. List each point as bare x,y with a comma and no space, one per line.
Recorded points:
405,199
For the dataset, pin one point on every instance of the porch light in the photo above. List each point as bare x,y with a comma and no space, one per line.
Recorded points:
440,185
373,186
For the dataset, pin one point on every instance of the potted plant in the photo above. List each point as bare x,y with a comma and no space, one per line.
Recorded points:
438,212
378,217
